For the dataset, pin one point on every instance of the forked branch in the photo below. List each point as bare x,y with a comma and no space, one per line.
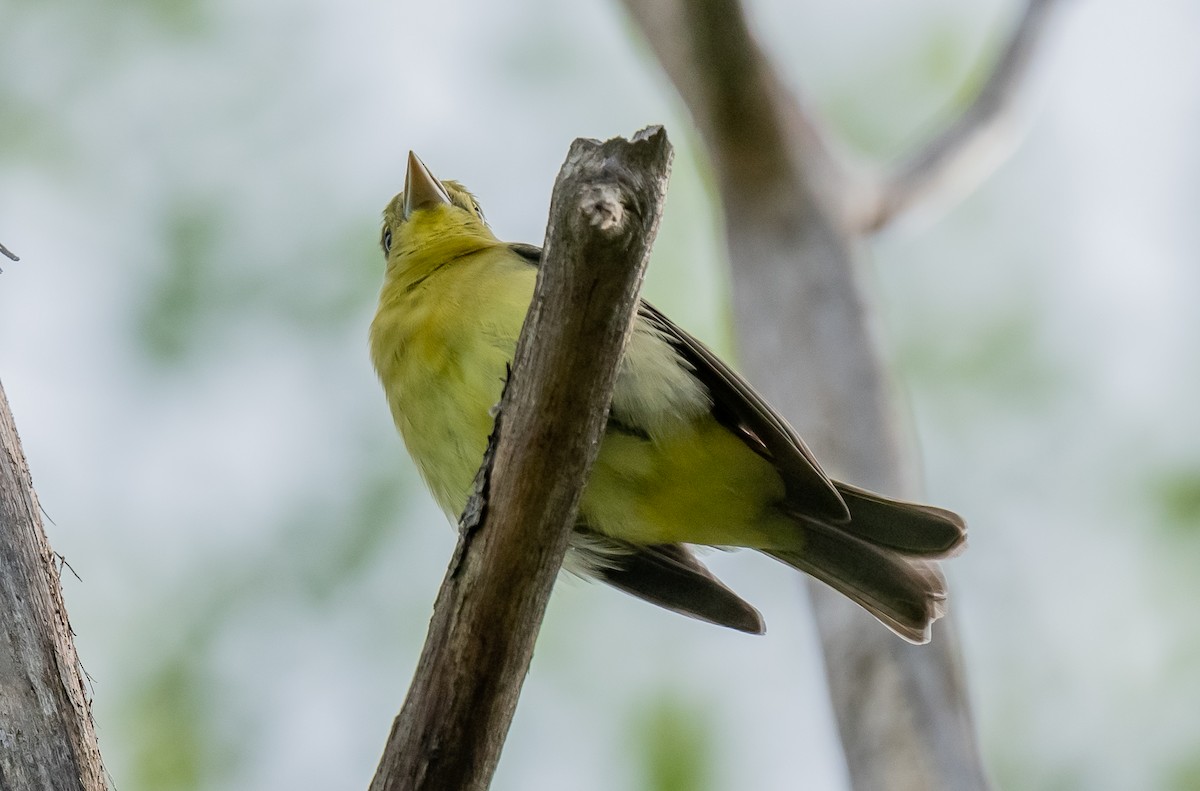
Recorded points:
966,151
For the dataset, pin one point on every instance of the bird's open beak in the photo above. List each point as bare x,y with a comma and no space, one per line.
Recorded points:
421,189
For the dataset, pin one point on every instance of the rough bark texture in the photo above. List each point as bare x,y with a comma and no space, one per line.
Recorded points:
793,213
603,216
46,736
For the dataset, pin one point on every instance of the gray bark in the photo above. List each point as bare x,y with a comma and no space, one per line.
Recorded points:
47,741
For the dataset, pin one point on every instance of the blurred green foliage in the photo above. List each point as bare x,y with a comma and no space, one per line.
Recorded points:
186,284
1178,496
675,744
1001,355
183,740
342,539
203,290
1186,775
28,132
173,742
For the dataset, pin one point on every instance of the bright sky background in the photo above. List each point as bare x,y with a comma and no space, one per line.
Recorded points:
195,188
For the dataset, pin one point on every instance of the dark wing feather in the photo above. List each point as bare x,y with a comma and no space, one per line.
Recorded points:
530,252
670,576
738,407
742,410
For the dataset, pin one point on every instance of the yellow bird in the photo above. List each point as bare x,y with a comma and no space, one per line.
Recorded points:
691,455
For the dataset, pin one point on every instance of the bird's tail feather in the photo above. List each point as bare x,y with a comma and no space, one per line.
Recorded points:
909,528
907,595
884,558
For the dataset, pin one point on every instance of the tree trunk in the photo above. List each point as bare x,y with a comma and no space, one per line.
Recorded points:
794,215
47,741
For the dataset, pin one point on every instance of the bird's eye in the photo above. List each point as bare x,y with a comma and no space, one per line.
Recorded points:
478,211
387,241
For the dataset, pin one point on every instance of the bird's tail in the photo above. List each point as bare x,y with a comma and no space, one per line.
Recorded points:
884,558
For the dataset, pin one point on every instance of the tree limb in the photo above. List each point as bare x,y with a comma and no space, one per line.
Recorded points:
708,51
903,711
8,253
603,217
972,145
47,739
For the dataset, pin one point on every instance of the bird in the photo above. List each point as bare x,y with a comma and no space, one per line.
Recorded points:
691,456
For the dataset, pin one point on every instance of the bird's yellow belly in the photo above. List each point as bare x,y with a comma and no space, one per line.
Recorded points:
445,426
700,486
447,376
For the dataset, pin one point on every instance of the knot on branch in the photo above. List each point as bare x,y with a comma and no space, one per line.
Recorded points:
603,207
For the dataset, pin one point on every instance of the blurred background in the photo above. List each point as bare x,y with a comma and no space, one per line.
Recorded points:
195,191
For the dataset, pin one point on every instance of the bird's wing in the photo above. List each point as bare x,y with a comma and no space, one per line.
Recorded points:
670,576
738,407
530,252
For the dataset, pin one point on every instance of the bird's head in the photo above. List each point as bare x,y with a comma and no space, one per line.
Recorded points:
431,214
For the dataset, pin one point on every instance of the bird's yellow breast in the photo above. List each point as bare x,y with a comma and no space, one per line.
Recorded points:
441,343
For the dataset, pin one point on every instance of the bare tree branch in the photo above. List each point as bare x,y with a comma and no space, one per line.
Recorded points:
903,711
46,735
972,145
707,49
9,253
603,217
